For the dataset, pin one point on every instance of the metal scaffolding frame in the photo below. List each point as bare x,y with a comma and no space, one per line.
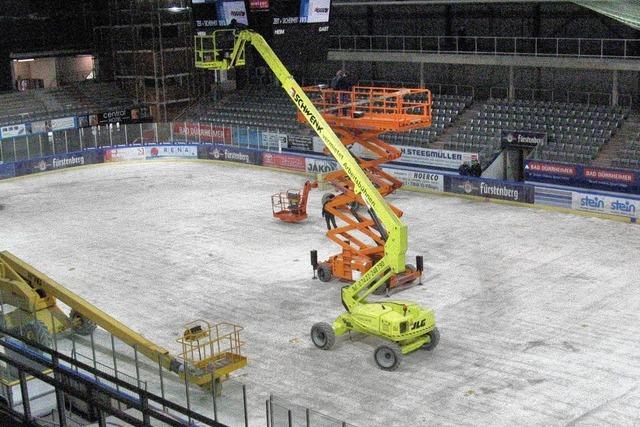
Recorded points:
147,48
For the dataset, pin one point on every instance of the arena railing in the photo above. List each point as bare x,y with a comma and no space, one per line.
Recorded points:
560,95
190,132
541,46
435,88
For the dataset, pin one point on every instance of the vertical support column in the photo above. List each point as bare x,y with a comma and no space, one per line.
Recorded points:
512,88
614,88
422,75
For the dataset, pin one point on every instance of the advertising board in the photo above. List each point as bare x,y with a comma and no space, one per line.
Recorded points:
201,132
427,180
444,159
58,161
490,188
231,154
315,165
619,180
605,204
284,161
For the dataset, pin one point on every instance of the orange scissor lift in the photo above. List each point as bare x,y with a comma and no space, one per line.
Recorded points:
359,117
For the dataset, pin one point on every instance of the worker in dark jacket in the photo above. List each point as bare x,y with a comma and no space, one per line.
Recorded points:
475,169
328,216
464,169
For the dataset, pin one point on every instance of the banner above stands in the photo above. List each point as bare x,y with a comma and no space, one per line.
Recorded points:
202,132
621,180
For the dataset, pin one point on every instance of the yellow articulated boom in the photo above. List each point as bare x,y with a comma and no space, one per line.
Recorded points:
403,326
211,355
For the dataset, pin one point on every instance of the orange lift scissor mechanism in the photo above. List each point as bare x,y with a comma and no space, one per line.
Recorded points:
359,116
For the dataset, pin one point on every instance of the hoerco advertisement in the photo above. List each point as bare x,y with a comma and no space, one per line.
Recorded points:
427,180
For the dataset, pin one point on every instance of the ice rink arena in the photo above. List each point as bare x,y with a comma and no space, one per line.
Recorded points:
319,213
526,299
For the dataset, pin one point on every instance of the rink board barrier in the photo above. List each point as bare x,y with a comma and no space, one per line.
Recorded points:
575,199
588,177
57,162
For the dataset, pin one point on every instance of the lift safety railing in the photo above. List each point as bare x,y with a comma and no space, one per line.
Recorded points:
104,393
471,45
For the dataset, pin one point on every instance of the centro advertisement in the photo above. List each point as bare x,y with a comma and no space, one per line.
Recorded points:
443,159
59,161
623,180
491,189
430,181
605,204
230,154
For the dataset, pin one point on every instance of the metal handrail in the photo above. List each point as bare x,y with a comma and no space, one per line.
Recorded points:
486,45
560,95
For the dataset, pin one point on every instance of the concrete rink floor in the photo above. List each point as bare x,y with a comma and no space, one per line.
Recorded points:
538,311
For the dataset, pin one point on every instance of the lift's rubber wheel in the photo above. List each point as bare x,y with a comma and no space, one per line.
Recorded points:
36,331
80,324
323,336
434,335
324,272
388,356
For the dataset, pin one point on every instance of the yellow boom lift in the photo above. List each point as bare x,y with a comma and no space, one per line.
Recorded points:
404,326
209,352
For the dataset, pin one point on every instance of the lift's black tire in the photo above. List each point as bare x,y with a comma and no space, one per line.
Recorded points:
323,336
36,331
388,356
80,324
434,334
324,272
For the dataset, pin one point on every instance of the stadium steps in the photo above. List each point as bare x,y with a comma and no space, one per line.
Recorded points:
628,131
48,101
464,119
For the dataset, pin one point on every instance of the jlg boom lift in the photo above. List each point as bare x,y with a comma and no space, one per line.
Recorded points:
405,326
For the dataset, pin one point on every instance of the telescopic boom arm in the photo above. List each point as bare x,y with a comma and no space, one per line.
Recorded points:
395,247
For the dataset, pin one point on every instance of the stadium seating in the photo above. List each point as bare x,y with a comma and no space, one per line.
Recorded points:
270,108
629,156
42,104
445,109
267,108
575,132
